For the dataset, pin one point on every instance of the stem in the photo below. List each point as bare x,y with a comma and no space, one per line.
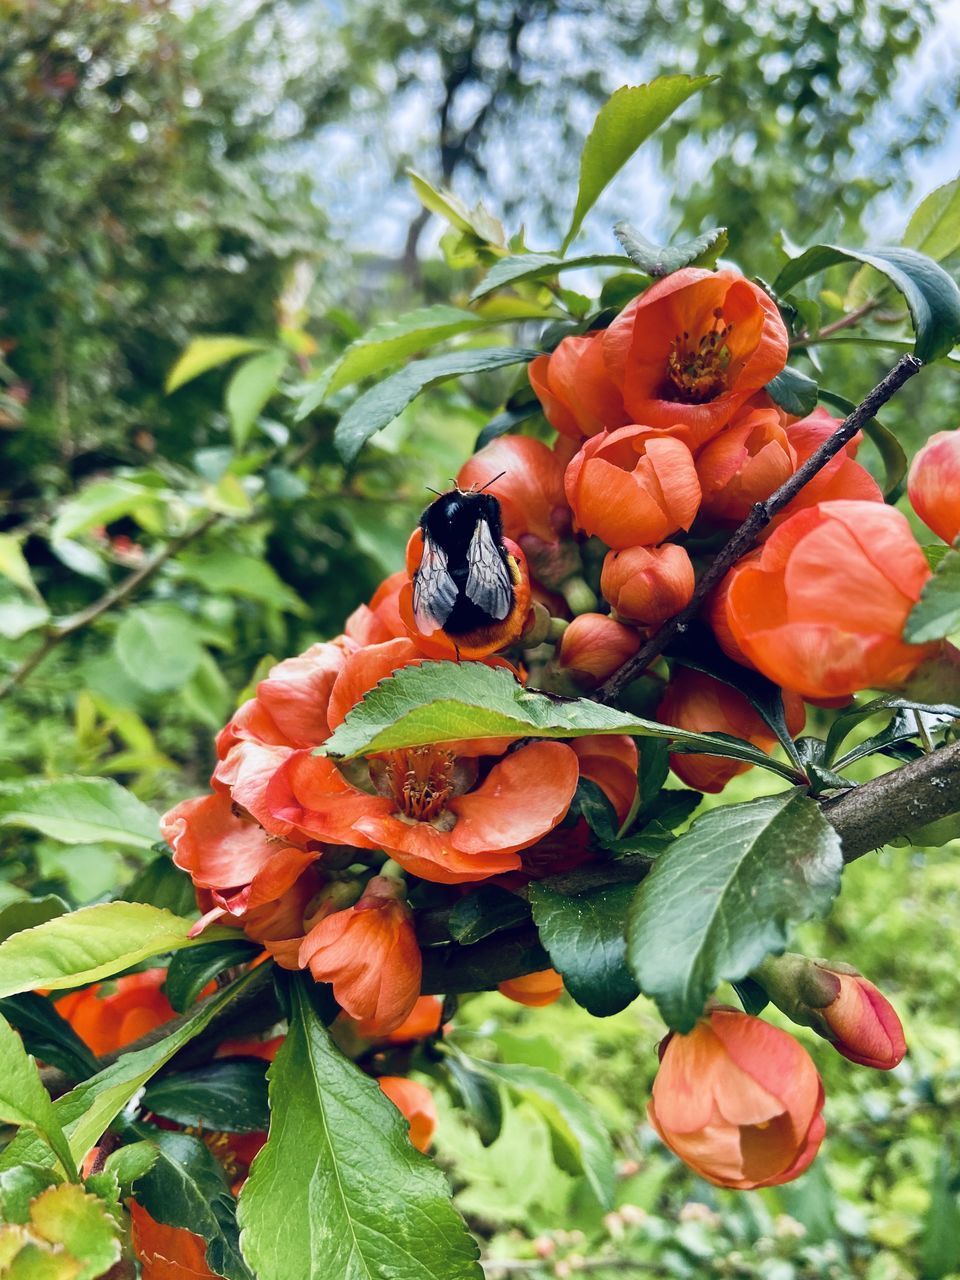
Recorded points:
763,512
845,322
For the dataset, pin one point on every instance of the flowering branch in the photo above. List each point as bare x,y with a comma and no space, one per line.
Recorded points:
760,516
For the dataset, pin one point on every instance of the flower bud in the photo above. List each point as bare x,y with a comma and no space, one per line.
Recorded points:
416,1104
744,464
647,585
594,646
934,484
739,1101
370,956
840,1004
701,704
634,487
534,989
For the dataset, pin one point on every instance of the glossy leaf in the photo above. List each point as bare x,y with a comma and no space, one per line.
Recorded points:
793,391
249,389
660,260
208,353
381,404
450,207
627,118
585,937
728,892
190,971
78,1223
538,266
484,911
47,1035
932,297
851,716
447,701
229,1095
94,942
88,1109
479,1094
581,1144
339,1190
186,1187
388,343
937,613
79,811
934,227
24,1100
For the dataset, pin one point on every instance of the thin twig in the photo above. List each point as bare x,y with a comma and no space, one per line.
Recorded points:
762,513
848,321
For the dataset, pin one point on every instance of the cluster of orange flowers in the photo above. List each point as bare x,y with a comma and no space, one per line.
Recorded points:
662,419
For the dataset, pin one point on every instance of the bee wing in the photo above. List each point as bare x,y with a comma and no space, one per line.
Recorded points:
488,584
434,591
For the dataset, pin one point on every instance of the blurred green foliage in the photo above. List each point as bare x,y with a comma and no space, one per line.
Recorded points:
156,184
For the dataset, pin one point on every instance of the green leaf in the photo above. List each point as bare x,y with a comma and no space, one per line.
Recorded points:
208,353
190,971
448,701
92,943
727,893
388,343
19,617
450,207
227,571
934,227
157,647
81,1225
13,564
882,438
479,1094
937,613
845,721
484,911
23,1099
932,297
102,502
581,1144
535,266
161,884
585,937
940,1245
625,120
793,391
36,1261
27,912
79,811
87,1110
186,1187
382,403
658,261
249,389
47,1035
339,1190
19,1187
128,1163
229,1095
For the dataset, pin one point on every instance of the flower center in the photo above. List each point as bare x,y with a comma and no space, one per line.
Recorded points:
421,780
699,373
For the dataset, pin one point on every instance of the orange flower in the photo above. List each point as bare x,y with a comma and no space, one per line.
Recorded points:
231,854
527,478
610,760
934,484
841,478
380,620
534,989
166,1253
693,349
434,812
476,644
647,585
108,1016
744,464
575,389
424,1020
369,955
594,646
633,487
739,1101
821,609
415,1103
701,704
859,1021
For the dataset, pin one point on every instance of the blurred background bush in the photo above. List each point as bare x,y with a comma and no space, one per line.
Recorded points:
178,168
